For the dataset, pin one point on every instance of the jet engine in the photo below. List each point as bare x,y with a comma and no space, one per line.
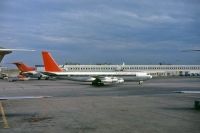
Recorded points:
112,80
107,80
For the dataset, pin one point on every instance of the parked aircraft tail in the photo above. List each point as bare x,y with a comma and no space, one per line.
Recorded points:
23,67
50,64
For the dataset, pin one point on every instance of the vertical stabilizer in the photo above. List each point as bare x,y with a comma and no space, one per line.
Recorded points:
23,67
49,63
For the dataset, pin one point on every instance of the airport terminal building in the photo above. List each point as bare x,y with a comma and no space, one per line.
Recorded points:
154,70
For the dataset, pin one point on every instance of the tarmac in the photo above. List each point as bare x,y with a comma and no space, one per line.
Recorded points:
76,107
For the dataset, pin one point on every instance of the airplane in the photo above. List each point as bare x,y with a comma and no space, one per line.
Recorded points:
96,78
28,71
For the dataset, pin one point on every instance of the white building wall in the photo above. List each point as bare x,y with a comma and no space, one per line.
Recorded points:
154,70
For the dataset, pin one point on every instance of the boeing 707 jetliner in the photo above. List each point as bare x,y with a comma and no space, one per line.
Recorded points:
96,78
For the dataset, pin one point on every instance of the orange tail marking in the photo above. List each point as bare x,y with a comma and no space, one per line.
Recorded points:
49,63
22,67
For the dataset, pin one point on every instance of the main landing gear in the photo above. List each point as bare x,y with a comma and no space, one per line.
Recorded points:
140,83
97,82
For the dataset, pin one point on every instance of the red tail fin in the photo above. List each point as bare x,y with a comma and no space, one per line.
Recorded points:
49,63
23,67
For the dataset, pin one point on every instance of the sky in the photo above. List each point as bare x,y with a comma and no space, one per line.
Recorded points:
102,31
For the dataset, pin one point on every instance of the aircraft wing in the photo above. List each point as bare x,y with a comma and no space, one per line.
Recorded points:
23,97
49,73
30,73
4,49
3,53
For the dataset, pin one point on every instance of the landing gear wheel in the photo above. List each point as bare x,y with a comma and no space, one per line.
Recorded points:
39,77
97,82
140,82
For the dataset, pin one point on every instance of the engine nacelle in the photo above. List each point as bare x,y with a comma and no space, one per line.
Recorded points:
112,80
120,80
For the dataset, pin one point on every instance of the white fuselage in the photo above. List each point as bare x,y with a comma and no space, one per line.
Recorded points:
90,76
